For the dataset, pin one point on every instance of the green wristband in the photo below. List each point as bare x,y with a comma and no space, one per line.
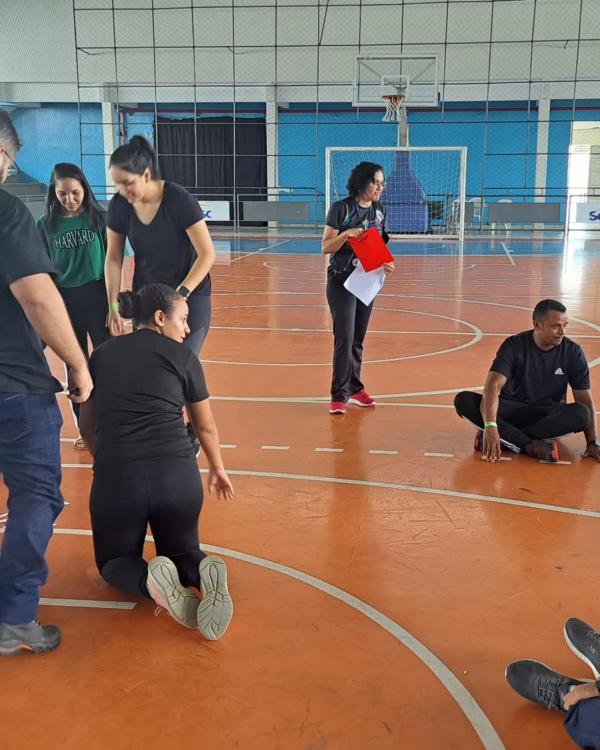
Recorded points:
114,307
490,424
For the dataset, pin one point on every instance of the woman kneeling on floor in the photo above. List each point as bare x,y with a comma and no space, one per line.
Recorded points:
145,471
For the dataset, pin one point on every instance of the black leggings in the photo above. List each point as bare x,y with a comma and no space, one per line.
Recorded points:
87,308
350,321
198,320
165,494
519,424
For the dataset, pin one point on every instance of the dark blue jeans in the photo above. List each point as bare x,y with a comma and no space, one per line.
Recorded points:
30,462
583,723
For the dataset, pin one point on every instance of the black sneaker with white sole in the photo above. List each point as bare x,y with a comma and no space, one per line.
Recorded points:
584,642
30,638
539,684
216,608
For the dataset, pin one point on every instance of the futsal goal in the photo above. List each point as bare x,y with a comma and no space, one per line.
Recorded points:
424,191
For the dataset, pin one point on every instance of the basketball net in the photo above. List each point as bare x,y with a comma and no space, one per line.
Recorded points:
395,111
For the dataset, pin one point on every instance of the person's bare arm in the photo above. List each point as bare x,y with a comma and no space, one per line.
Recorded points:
45,310
113,267
333,239
489,411
205,250
205,427
87,424
591,434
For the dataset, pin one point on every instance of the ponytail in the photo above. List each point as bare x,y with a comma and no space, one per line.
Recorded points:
136,157
142,305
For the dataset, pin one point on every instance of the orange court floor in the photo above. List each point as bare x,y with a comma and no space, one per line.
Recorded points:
383,575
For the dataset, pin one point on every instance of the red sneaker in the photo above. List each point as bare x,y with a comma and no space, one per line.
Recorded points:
361,398
337,407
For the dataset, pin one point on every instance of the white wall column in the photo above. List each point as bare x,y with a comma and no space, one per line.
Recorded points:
543,131
110,128
271,115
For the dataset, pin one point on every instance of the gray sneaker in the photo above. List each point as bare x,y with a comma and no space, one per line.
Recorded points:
165,588
584,642
31,637
216,608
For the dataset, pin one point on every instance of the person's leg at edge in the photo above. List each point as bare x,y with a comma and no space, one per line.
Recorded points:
562,420
342,305
361,324
176,504
200,309
582,723
119,515
30,462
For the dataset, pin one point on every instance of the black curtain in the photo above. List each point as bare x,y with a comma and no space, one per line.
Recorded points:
201,156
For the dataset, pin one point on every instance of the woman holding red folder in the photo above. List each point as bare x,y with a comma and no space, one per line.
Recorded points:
348,218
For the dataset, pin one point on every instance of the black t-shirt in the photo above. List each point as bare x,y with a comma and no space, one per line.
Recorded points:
347,214
163,251
538,377
23,366
141,382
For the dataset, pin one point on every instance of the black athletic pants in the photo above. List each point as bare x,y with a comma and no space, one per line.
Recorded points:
350,322
165,494
519,424
198,320
87,308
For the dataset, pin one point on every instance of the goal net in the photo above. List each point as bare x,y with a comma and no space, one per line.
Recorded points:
424,187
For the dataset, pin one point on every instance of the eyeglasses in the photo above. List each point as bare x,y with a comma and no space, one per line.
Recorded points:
15,167
378,183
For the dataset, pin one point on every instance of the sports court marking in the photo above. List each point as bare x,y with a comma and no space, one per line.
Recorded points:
87,603
438,491
439,455
260,250
463,698
383,453
275,447
476,337
508,254
329,450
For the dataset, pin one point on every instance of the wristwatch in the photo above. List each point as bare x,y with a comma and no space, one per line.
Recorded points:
183,291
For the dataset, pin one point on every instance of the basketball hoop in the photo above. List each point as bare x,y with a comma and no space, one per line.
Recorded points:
393,105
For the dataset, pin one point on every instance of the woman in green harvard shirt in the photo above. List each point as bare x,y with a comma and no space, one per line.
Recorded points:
74,230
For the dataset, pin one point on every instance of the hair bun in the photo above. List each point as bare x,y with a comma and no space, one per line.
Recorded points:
129,304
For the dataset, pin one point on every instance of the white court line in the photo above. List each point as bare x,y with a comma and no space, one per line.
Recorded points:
91,603
329,450
439,455
449,493
465,701
260,250
227,445
383,453
566,463
508,254
387,333
275,447
476,337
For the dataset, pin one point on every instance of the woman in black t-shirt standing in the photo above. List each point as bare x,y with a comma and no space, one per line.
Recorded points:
166,229
348,218
145,471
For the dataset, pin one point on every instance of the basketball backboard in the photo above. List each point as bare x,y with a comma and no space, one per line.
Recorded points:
415,76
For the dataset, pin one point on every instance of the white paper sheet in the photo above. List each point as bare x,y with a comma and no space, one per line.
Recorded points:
365,285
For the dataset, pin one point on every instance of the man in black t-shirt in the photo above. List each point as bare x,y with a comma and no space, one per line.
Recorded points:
523,405
30,420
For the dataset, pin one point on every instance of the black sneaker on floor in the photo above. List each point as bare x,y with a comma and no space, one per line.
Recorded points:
539,684
545,450
31,637
584,642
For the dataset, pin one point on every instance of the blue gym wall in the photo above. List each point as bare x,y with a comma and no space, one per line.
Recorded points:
501,141
51,133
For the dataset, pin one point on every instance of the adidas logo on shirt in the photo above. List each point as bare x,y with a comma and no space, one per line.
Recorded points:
559,371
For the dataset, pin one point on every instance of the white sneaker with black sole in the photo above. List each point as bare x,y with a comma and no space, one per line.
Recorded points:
216,608
165,588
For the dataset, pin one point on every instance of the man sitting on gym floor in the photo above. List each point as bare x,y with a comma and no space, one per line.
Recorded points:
523,405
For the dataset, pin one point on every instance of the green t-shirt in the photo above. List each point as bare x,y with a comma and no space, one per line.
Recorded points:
77,250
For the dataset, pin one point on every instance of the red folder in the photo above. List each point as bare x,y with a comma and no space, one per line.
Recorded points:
370,249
